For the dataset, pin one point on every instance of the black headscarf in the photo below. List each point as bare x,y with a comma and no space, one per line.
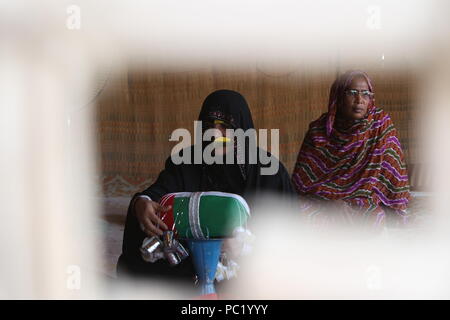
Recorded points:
231,108
247,181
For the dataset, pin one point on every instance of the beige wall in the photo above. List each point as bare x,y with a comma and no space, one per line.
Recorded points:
137,111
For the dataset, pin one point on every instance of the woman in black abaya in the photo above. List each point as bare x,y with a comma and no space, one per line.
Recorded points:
222,109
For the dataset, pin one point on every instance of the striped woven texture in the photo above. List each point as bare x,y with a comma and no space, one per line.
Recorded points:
138,110
364,165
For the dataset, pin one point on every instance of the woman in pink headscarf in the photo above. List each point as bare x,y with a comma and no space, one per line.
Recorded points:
351,158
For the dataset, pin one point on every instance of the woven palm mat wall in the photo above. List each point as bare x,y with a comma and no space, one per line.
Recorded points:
137,111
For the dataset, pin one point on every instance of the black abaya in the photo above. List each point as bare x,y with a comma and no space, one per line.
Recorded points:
245,180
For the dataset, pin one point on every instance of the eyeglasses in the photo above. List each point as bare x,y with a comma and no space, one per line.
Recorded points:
365,94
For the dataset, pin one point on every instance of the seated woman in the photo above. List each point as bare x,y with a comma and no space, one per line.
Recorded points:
223,109
352,156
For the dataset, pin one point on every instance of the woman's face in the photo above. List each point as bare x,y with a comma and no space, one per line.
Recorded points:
357,98
223,146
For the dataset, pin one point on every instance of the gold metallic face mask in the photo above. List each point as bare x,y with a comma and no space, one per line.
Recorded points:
221,139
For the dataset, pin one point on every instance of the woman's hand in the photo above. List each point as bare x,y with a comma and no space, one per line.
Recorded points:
147,214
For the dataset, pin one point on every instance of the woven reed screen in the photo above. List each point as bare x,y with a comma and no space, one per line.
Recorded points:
137,111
